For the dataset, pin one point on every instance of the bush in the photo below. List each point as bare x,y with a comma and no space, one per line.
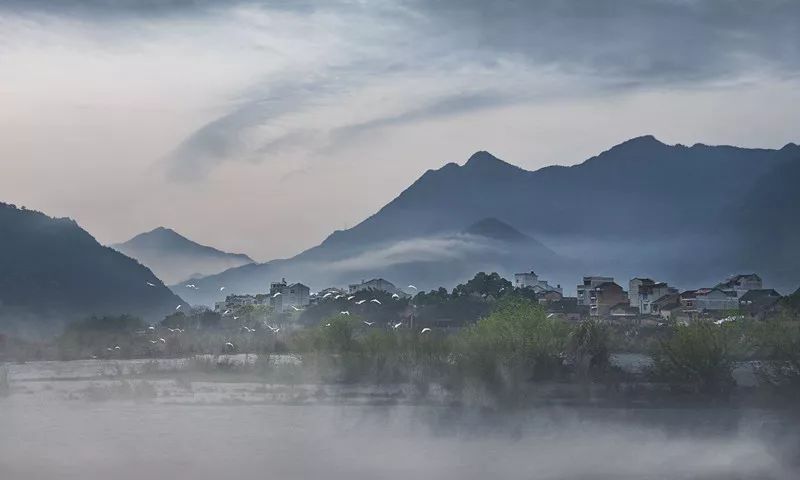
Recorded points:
697,356
515,344
589,346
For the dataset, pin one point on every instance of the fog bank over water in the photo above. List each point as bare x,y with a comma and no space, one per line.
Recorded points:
62,421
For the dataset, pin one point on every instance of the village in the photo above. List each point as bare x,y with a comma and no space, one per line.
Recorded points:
646,302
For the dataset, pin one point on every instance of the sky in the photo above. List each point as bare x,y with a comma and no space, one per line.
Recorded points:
262,126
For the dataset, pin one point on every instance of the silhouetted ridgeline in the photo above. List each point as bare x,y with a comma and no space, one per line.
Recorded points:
52,268
692,214
174,257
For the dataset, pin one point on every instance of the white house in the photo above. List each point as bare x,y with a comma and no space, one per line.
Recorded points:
531,280
288,297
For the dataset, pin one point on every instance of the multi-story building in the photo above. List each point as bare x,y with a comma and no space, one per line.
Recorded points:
590,283
288,297
532,281
648,294
633,289
604,296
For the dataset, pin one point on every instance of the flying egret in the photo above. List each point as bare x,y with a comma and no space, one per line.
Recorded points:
153,341
412,287
191,285
360,302
425,330
395,296
150,284
162,340
397,325
236,318
351,297
296,309
276,294
375,300
327,295
151,328
369,324
116,347
221,288
229,346
344,312
327,324
226,312
178,307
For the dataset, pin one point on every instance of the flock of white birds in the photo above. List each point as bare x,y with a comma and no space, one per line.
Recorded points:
230,347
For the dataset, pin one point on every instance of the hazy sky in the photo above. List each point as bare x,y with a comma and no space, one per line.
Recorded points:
261,126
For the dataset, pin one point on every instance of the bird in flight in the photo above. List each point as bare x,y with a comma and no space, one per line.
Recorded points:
395,296
296,309
344,312
397,325
226,312
162,340
276,294
369,324
351,297
151,284
178,307
360,302
191,285
412,287
221,288
375,300
425,330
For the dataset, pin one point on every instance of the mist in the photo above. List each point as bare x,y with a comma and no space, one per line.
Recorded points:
57,424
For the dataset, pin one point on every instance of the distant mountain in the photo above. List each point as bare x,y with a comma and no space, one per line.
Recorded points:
51,268
175,258
639,208
497,230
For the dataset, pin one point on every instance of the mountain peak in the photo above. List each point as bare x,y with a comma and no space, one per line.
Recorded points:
485,161
643,141
491,227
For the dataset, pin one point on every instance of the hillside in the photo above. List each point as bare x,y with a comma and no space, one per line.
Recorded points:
50,268
175,258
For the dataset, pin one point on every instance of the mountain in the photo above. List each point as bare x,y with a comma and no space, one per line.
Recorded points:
50,268
174,257
497,230
640,208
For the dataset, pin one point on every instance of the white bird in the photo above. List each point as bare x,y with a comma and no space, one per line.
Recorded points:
344,312
171,330
296,309
226,312
395,296
109,349
229,345
154,341
221,288
397,325
276,294
236,318
178,307
149,284
276,330
179,330
360,302
162,340
337,297
151,328
327,324
412,287
327,295
116,347
550,315
369,324
351,297
425,330
375,300
191,285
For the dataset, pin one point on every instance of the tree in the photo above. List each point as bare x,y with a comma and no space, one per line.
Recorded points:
484,284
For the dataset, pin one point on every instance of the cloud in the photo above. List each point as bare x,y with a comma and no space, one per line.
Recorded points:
435,249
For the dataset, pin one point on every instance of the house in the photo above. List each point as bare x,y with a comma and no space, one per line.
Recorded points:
590,283
549,296
378,284
714,299
758,303
288,297
650,293
666,305
568,309
604,296
741,284
633,289
532,281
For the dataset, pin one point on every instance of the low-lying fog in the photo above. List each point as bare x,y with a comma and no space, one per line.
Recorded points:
71,423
